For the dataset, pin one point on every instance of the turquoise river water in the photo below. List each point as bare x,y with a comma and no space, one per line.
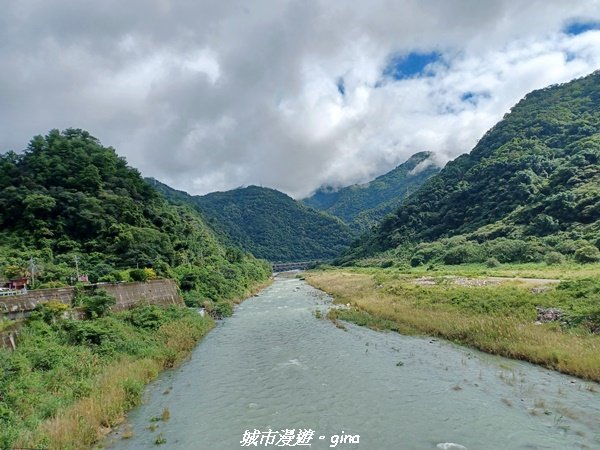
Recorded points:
275,366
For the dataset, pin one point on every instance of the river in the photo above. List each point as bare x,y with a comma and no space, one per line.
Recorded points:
275,366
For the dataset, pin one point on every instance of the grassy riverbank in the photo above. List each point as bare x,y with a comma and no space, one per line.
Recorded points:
69,381
495,316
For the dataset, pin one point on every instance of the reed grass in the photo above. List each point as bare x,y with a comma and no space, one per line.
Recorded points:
117,389
460,314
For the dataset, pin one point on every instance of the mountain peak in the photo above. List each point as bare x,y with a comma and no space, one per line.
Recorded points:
363,205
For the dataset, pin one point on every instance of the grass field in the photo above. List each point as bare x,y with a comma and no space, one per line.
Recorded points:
465,305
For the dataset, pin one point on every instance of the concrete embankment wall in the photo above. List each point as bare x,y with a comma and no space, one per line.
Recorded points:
17,306
154,292
127,295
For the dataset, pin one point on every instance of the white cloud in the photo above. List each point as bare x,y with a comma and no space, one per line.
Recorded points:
211,96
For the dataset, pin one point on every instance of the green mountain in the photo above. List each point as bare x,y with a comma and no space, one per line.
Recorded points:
363,205
268,223
69,197
530,185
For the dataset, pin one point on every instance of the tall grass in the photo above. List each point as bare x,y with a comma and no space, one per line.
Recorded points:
69,382
494,319
568,270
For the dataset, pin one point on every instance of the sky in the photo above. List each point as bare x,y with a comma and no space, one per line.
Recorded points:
293,95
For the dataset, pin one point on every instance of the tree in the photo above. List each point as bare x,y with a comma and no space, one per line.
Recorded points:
587,254
13,271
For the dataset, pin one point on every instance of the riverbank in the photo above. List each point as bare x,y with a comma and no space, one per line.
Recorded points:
69,382
276,366
495,316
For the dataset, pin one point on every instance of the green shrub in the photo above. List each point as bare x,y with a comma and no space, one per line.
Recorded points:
492,262
209,307
49,311
192,299
98,304
462,254
554,258
138,274
93,332
147,317
418,259
150,273
133,391
587,254
223,309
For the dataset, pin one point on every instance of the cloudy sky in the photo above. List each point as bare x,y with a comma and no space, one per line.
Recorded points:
212,95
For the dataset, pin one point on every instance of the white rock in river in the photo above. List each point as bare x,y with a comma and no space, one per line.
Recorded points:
450,446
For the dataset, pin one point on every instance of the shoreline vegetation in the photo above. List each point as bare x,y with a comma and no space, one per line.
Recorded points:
69,382
476,306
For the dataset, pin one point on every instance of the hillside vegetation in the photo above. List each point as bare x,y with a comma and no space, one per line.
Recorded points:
269,223
362,206
529,190
68,197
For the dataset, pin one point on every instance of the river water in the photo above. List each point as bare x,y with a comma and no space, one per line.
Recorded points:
275,366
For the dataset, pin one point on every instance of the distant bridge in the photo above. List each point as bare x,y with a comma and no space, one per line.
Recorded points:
299,265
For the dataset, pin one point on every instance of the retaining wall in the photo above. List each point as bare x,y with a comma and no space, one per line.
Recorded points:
127,295
156,292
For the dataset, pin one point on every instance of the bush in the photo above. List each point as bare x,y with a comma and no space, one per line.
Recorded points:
98,305
133,392
147,317
418,259
514,250
492,262
223,309
554,258
192,299
138,274
49,311
462,253
150,273
587,254
209,307
91,333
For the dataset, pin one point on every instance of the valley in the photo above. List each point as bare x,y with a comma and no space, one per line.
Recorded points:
496,253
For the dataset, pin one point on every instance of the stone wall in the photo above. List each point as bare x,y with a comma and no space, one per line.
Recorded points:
153,292
128,295
19,306
157,292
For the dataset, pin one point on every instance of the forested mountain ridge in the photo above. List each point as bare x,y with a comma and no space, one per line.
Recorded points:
269,223
535,176
68,197
362,206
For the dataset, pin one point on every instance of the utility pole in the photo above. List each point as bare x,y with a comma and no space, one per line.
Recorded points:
76,258
32,270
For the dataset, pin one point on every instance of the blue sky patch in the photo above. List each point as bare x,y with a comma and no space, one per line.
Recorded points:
411,65
474,97
341,87
575,28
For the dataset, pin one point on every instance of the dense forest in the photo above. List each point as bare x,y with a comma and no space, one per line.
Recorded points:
362,206
68,203
268,223
529,190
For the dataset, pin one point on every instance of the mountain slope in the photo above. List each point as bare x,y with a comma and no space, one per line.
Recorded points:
536,174
69,197
269,223
362,206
